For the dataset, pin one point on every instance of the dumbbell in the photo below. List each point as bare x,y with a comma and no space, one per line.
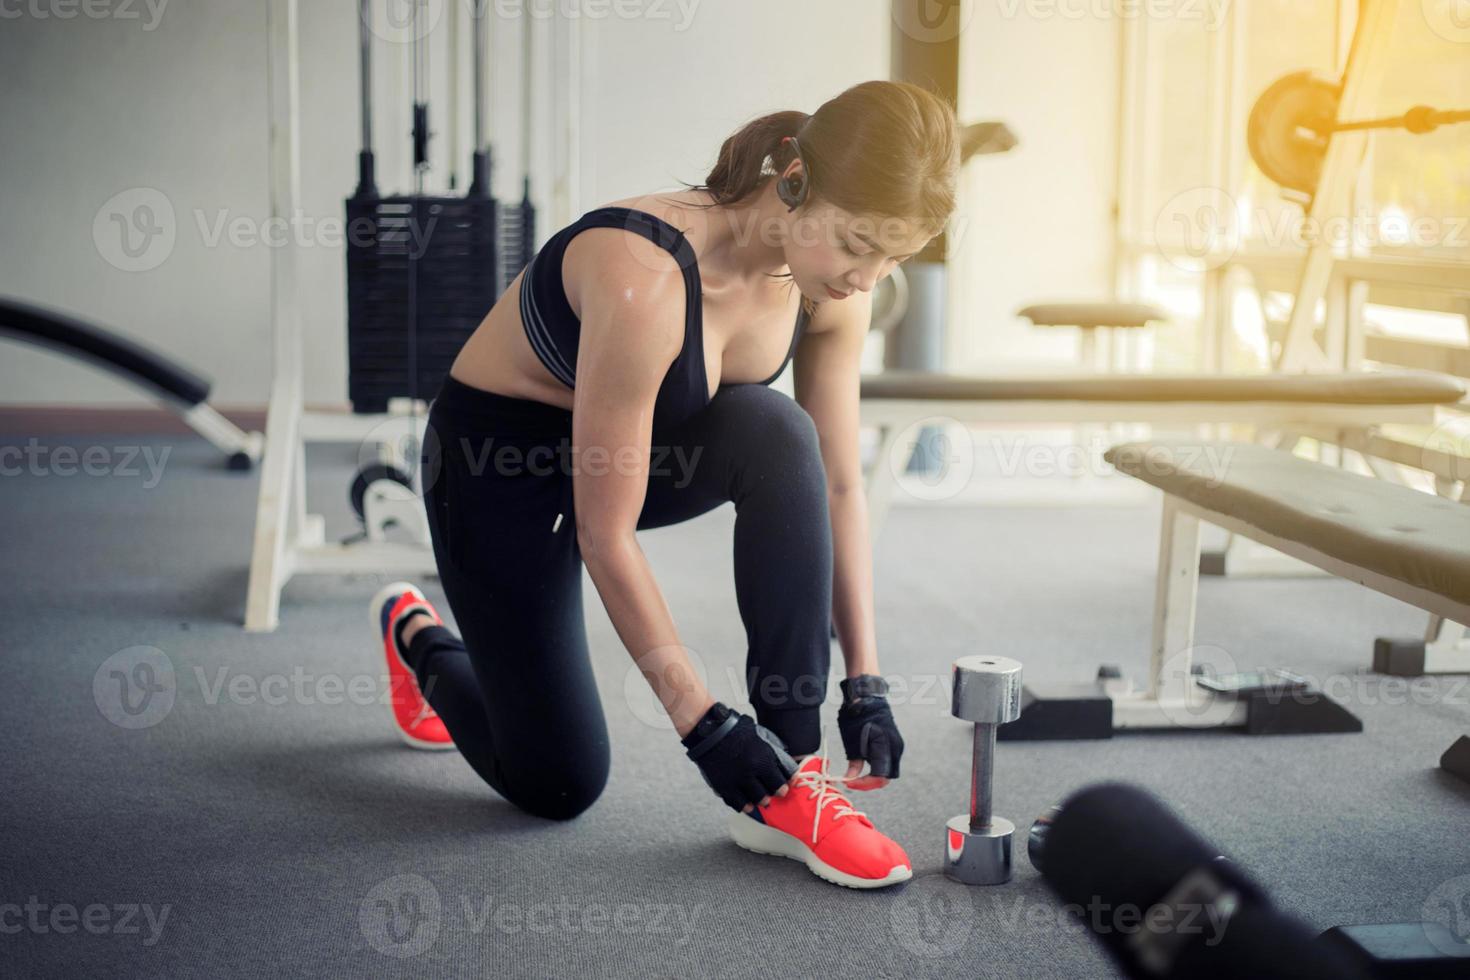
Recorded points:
977,846
1036,840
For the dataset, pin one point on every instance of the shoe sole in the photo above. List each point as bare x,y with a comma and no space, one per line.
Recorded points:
375,619
757,837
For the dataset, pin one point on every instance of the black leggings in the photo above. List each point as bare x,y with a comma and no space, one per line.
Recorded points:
517,691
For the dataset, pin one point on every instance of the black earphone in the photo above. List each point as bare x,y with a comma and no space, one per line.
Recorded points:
792,190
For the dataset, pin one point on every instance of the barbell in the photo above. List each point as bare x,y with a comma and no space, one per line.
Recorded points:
1293,120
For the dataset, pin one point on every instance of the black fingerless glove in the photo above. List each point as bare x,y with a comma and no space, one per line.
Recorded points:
742,761
868,729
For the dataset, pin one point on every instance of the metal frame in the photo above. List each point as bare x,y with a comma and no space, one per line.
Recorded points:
287,539
1172,699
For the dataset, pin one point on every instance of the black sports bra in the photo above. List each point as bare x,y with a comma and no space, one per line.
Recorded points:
554,330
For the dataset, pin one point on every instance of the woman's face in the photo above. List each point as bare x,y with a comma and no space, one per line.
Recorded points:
833,253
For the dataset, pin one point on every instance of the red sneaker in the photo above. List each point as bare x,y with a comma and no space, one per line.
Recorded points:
414,718
815,824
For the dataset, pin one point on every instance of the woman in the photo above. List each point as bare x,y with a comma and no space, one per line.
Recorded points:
619,385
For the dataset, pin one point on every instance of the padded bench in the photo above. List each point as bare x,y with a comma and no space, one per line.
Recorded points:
896,401
1396,540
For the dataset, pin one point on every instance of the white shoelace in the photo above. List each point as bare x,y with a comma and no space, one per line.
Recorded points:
819,782
426,711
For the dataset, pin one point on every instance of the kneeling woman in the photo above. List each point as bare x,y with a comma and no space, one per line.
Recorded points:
620,384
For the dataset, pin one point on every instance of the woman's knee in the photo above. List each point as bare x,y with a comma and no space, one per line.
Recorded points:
561,794
771,423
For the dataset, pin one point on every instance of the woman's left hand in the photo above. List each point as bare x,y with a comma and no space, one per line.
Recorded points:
870,734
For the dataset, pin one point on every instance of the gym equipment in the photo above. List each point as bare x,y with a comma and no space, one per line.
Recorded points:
986,692
288,540
1036,837
175,386
1456,758
1114,846
1092,319
1402,950
432,264
1295,117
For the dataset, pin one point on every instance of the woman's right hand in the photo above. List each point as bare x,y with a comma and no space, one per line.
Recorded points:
742,761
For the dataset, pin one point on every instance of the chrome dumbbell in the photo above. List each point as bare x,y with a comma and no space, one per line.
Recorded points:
977,846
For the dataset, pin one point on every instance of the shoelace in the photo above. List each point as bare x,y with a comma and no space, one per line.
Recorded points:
819,783
426,711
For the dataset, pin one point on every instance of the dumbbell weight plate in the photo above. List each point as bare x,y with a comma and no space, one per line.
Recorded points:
978,857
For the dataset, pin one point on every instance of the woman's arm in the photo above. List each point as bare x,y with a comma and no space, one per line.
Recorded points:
826,375
631,296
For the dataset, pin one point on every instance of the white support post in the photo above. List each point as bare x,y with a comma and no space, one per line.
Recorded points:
270,562
1174,603
1172,699
1343,160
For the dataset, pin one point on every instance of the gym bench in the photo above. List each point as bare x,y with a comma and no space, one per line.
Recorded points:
1401,542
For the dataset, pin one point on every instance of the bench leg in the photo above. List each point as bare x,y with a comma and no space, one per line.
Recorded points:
1444,650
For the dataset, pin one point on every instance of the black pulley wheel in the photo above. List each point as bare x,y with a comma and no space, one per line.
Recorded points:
367,476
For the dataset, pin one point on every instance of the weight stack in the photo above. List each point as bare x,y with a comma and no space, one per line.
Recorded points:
518,235
453,245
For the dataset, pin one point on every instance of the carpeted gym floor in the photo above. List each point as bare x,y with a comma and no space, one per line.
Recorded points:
258,816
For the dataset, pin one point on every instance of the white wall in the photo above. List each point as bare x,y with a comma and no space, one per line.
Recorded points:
1039,218
91,108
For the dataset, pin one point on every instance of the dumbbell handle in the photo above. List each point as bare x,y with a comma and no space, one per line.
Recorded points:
982,768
